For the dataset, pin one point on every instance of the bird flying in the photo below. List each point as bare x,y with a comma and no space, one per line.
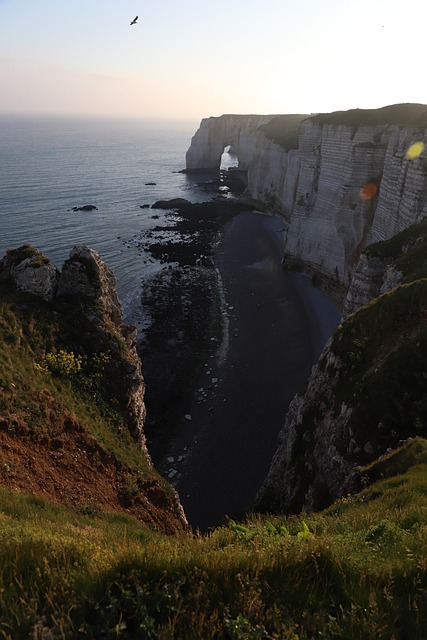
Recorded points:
134,20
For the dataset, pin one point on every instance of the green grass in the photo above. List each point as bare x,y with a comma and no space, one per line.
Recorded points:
406,114
35,404
407,250
383,351
15,256
283,130
356,570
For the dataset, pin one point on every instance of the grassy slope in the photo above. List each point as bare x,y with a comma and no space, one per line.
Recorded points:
383,349
399,114
283,129
63,436
357,570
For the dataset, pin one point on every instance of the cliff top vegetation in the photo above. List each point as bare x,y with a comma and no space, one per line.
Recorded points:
356,570
406,114
63,431
407,251
283,130
86,524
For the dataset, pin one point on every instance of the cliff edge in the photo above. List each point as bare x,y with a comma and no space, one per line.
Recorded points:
72,391
313,171
366,394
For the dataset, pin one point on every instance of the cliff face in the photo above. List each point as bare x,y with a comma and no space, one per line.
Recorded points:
68,324
317,186
372,276
214,134
365,396
91,284
309,470
365,393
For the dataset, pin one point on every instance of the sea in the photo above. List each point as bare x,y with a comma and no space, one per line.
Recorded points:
48,165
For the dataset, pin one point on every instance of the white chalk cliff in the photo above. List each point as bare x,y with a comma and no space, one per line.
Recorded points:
214,134
314,180
316,185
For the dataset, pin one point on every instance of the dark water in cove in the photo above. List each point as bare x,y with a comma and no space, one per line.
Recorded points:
49,166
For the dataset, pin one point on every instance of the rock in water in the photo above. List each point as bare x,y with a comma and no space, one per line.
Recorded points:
174,203
86,207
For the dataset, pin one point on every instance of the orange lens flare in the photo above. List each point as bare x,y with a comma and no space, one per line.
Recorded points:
368,191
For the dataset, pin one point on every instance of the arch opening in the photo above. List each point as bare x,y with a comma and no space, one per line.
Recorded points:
229,159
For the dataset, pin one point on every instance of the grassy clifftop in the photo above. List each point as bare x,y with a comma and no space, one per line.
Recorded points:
92,545
283,129
405,114
63,435
356,570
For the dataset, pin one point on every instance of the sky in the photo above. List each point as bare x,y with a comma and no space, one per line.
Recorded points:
188,60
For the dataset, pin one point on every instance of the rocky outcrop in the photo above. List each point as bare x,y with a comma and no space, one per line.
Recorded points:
310,468
386,264
317,186
373,275
88,280
85,276
214,134
364,397
86,207
174,203
29,271
94,322
81,320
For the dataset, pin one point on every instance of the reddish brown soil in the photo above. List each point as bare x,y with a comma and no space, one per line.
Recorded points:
73,470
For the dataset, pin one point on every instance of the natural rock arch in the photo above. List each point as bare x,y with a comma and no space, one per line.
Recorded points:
229,158
217,133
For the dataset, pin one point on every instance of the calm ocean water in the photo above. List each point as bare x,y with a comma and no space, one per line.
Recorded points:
49,165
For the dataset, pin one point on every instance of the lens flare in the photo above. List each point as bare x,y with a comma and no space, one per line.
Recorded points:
368,191
415,150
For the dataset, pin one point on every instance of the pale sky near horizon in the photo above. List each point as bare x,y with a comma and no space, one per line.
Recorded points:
188,59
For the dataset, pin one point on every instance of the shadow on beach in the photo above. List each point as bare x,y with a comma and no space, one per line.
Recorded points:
274,338
229,409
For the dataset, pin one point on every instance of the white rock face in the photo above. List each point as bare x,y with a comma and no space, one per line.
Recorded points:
402,197
273,175
367,282
317,186
31,272
214,134
329,223
39,281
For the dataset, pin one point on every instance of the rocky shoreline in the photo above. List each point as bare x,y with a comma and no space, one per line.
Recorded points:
181,305
231,338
